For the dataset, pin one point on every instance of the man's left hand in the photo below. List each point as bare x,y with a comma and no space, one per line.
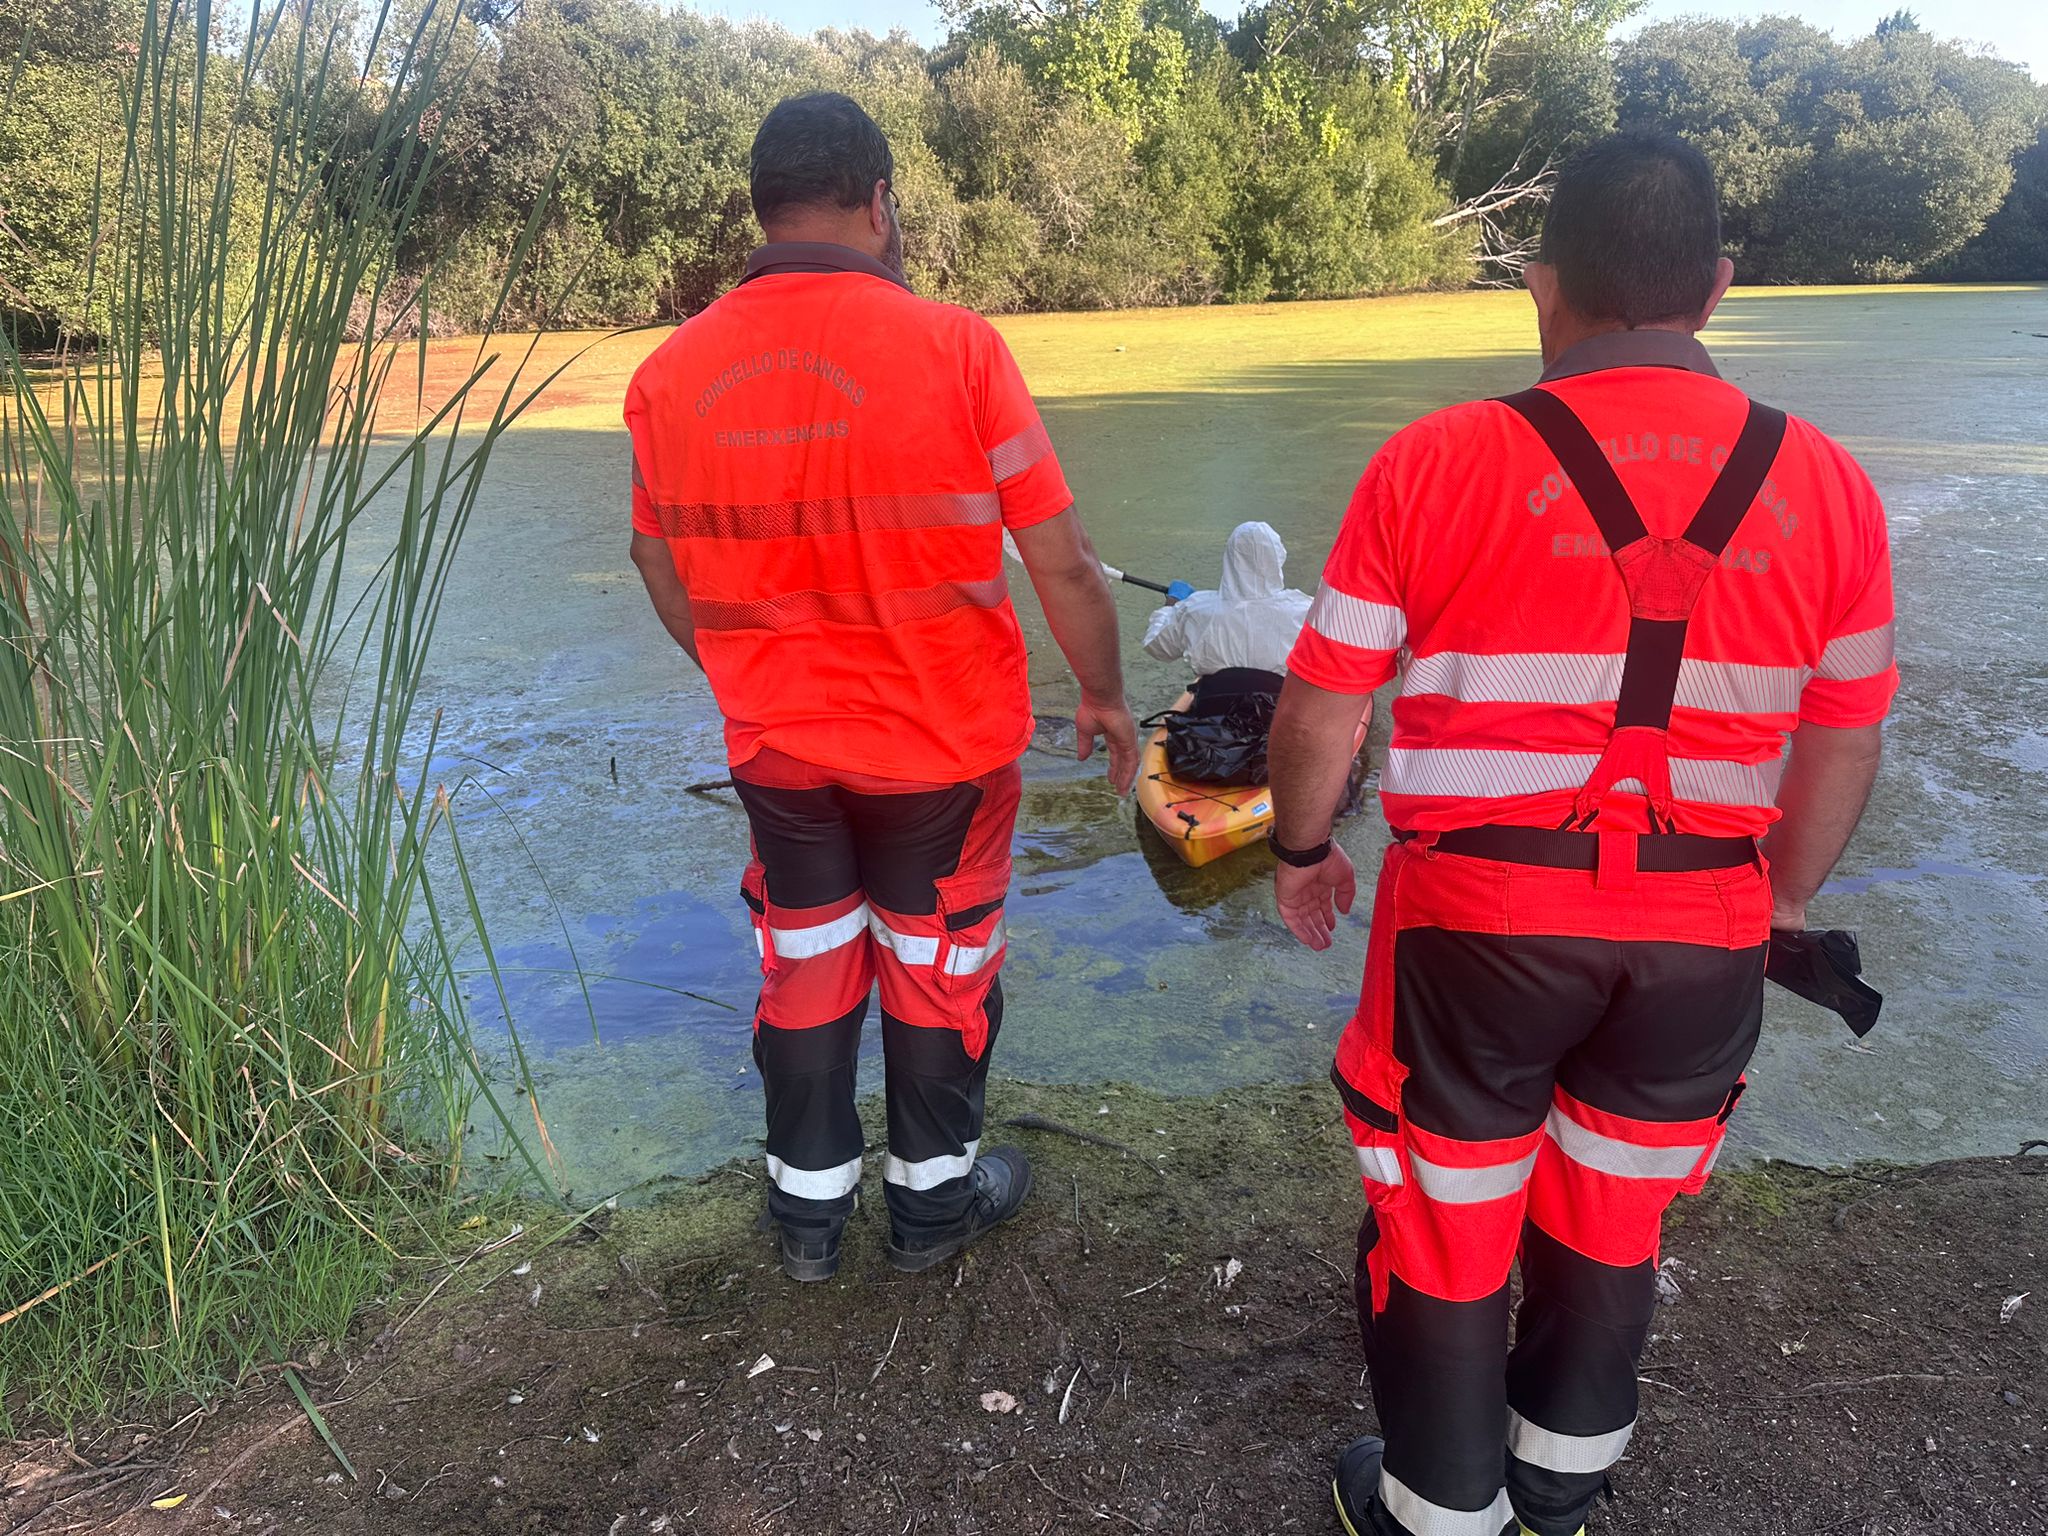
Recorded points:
1311,899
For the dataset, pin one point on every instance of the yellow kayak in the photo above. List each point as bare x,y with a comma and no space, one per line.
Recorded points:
1202,822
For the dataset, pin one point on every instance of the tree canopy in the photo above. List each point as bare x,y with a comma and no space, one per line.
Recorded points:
1085,153
1839,162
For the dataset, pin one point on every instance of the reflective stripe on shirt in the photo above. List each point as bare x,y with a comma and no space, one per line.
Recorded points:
876,610
1014,455
1348,620
1564,677
1850,657
829,515
1497,774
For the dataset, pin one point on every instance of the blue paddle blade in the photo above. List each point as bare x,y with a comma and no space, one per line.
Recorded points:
1179,590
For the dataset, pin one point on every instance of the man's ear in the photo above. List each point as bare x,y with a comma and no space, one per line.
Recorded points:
1724,274
1540,278
878,210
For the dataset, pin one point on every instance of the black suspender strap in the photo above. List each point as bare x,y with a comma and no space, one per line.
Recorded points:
1657,624
1663,576
1742,477
1584,463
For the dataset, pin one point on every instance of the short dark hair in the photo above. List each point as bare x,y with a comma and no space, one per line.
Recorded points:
1634,229
817,151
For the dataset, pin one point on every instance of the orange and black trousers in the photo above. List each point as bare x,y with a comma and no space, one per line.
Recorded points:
1544,1057
855,882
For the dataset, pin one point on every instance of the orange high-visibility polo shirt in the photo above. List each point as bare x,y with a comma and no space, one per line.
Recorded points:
1469,563
832,461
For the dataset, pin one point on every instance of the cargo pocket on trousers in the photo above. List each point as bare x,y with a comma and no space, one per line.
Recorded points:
971,949
1696,1181
754,892
971,913
1373,1102
1372,1106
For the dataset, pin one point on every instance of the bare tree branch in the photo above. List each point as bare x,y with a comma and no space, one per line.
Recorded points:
1504,247
1513,188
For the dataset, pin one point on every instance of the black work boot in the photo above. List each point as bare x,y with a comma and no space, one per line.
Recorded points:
1357,1483
1001,1180
809,1255
810,1250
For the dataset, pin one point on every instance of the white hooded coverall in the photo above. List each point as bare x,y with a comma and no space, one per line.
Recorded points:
1251,621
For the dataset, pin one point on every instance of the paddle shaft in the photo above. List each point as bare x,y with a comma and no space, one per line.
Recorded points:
1175,590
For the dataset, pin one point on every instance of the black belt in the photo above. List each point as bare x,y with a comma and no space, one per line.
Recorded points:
1661,853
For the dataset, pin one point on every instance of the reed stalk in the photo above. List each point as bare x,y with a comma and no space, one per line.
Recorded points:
235,1063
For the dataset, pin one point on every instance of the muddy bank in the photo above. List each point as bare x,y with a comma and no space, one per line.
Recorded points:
1835,1360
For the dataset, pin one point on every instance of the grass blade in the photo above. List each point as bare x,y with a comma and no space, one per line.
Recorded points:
319,1423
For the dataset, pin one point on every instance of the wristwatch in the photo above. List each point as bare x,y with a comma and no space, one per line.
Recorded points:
1303,858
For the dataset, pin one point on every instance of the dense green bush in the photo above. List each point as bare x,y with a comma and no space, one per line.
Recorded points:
2013,247
1840,162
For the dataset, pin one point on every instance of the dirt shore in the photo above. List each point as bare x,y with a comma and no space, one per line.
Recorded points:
1168,1333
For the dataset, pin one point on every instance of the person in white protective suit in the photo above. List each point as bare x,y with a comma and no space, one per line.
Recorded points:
1250,621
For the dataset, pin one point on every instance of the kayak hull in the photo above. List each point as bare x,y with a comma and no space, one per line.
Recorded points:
1202,822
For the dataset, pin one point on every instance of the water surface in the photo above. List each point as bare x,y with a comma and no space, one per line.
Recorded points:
565,699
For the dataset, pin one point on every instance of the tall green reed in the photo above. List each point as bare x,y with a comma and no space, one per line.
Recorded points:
235,1065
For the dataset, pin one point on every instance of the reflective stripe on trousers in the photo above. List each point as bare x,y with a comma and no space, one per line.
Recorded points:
1582,1454
807,943
912,949
815,1183
930,1172
1618,1158
1422,1518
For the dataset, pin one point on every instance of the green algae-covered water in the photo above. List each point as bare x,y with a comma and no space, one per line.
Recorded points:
564,698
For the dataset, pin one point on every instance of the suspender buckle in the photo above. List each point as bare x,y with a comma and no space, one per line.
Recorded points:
1616,870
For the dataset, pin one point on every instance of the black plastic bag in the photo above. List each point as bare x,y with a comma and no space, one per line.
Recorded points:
1825,968
1225,747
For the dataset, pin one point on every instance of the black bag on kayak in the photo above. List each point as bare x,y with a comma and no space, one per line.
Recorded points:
1221,737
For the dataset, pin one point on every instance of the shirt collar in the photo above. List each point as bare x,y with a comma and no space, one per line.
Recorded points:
780,256
1632,349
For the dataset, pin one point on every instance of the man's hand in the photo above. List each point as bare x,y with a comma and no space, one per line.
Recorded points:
1078,608
1113,723
1311,899
1826,784
1310,755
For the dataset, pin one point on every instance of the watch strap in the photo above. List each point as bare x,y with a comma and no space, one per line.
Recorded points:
1302,858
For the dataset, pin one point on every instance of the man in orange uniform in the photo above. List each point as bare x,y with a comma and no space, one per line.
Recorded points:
824,467
1609,600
